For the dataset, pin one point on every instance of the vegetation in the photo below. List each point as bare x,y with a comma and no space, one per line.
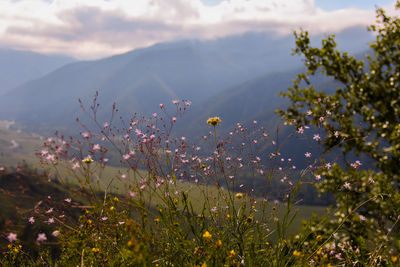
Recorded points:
175,203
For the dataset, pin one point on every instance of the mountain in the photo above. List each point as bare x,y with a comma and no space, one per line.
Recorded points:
141,79
18,67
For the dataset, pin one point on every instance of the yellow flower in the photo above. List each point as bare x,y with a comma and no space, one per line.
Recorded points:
319,237
228,216
95,250
156,220
296,253
232,253
87,160
214,121
218,244
116,199
89,221
204,265
207,235
16,250
239,195
394,258
112,208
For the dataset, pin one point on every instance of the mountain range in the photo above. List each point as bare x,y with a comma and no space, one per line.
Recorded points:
236,77
19,67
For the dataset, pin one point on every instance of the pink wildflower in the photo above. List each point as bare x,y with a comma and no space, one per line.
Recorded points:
31,220
55,233
41,237
75,165
96,147
347,185
12,237
176,101
316,137
50,210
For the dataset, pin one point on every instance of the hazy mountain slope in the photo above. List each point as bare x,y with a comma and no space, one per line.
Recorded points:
18,67
139,80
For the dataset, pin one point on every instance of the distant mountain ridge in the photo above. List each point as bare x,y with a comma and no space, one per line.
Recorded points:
139,80
18,67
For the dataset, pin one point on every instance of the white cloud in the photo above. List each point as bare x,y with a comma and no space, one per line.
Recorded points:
93,28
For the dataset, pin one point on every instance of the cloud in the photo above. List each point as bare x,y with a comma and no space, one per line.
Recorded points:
95,28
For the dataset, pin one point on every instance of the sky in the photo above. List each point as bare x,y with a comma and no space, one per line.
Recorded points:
89,29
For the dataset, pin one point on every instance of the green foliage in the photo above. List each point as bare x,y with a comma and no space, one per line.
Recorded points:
362,118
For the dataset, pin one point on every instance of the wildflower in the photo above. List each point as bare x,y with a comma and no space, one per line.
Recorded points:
95,250
336,134
317,177
105,125
12,237
308,155
87,160
68,200
394,258
176,101
41,237
157,220
239,195
232,253
218,244
96,147
356,164
50,220
161,105
347,185
228,216
31,220
296,253
207,235
55,233
49,210
214,121
316,137
112,208
132,194
75,165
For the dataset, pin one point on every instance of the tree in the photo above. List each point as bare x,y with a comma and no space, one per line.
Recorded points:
361,117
